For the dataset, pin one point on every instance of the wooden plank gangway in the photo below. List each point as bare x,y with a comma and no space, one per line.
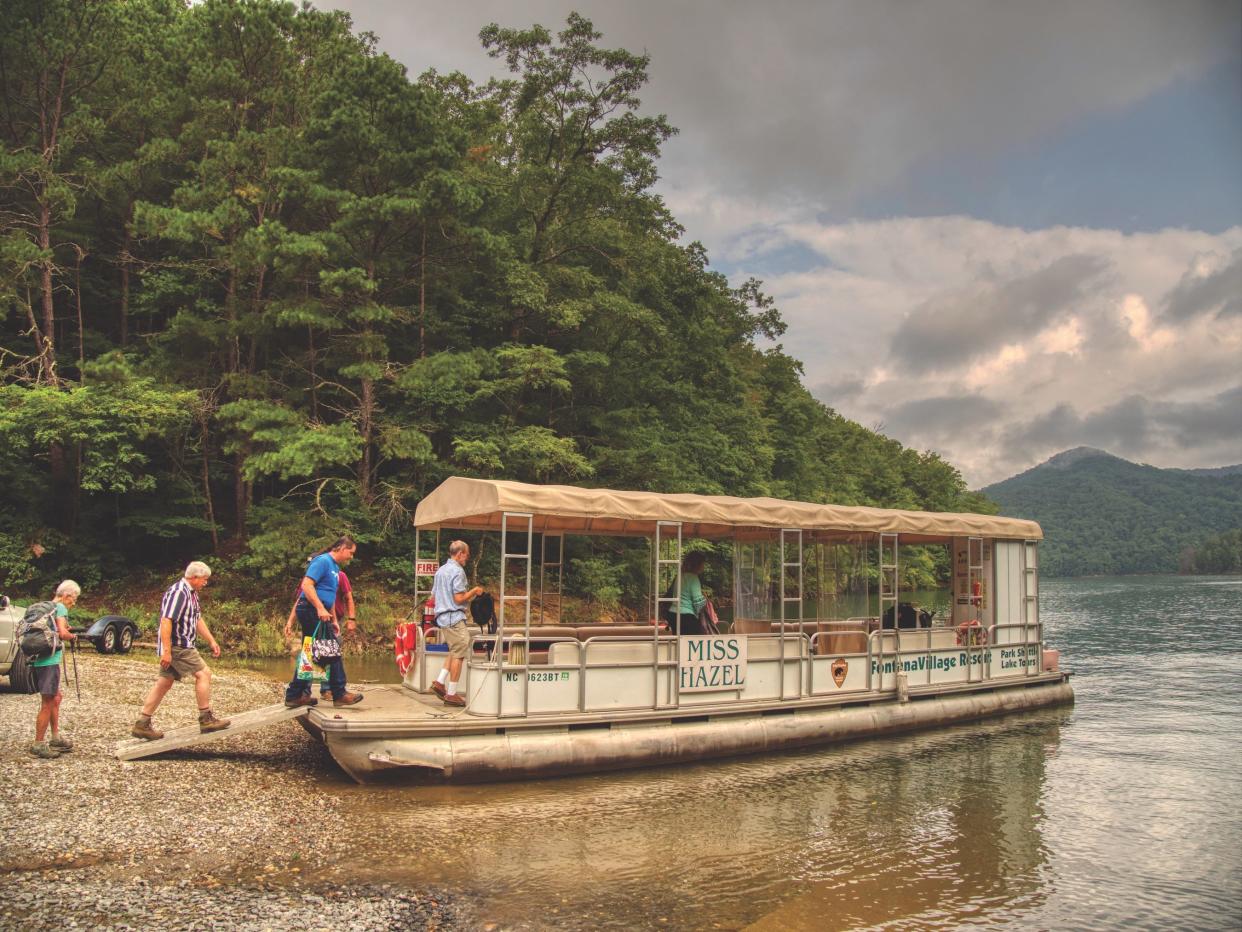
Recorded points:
189,735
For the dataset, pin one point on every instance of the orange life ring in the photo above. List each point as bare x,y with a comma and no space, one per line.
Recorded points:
403,644
971,634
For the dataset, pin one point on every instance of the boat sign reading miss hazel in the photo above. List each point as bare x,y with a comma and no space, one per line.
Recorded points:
712,663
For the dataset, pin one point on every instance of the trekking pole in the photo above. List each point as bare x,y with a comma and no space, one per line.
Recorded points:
77,680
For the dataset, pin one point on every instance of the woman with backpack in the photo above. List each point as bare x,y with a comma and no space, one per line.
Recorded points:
47,671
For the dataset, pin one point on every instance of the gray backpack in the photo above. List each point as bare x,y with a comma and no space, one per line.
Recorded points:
37,631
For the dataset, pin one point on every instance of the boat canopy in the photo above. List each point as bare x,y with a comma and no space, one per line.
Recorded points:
482,503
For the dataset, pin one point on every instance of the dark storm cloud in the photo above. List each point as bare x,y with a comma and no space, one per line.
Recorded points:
1133,427
926,420
1208,422
953,329
833,100
1219,293
839,392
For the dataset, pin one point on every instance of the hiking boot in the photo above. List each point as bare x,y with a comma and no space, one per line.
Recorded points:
43,750
453,699
347,699
305,699
146,730
60,743
207,722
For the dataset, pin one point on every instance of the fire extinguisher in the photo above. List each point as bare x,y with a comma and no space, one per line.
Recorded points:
976,593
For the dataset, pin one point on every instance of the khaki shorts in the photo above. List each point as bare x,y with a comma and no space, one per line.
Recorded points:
457,637
186,661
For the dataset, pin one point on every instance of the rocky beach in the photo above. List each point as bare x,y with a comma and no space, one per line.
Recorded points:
242,833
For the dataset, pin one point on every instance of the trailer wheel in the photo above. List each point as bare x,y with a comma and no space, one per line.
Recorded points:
125,640
107,641
21,675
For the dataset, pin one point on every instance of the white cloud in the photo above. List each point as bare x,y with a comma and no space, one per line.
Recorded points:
1138,321
1053,328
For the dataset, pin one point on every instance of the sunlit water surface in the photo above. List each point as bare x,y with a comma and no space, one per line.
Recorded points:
1122,811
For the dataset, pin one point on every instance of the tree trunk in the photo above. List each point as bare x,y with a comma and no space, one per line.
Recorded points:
79,255
422,298
208,506
314,387
48,349
125,257
240,497
366,419
230,315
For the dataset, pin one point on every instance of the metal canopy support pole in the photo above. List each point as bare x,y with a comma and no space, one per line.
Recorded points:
890,582
674,606
505,557
790,536
1030,607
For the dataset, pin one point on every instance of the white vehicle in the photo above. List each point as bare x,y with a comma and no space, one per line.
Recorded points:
806,656
12,661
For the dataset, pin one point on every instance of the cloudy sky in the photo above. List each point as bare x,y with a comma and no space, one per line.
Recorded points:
997,229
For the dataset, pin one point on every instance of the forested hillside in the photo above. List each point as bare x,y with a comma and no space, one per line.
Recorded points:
1102,514
260,286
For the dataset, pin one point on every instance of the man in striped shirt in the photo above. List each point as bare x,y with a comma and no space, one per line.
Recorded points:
181,622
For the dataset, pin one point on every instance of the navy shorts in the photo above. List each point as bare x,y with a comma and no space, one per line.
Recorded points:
47,679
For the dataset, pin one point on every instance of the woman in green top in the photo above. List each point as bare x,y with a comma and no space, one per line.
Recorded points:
47,678
692,598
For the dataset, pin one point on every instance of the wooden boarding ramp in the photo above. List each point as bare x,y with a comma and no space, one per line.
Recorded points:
188,736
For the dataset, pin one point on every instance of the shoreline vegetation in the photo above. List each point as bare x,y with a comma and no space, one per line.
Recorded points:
263,286
242,833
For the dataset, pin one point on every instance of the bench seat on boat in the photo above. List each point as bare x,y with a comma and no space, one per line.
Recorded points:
631,650
836,635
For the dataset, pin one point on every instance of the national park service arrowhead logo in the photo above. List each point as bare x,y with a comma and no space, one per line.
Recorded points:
839,668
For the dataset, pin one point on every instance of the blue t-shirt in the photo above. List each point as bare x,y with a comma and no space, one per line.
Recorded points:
450,578
323,572
54,659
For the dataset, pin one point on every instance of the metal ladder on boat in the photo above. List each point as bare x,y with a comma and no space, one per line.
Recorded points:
1032,629
671,603
889,591
505,558
975,672
546,563
791,537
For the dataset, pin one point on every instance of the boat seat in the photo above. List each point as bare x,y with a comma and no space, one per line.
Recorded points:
770,648
615,631
631,650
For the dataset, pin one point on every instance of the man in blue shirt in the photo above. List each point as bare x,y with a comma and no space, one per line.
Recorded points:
314,610
451,595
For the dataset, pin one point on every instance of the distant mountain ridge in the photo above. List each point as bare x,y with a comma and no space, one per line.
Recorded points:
1102,514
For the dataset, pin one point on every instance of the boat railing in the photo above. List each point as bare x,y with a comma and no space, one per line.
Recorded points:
511,654
657,663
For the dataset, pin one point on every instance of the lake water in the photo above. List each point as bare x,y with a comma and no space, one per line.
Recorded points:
1123,811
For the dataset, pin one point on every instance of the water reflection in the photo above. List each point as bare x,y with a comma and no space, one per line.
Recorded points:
1122,812
913,828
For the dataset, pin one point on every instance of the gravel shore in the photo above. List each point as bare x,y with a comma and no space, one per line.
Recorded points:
201,838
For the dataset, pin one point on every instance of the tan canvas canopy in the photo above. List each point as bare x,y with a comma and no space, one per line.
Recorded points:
481,503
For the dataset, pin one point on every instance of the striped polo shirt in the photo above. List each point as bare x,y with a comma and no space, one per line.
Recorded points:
180,605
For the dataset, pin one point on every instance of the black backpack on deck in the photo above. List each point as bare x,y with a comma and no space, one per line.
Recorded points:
483,612
36,633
